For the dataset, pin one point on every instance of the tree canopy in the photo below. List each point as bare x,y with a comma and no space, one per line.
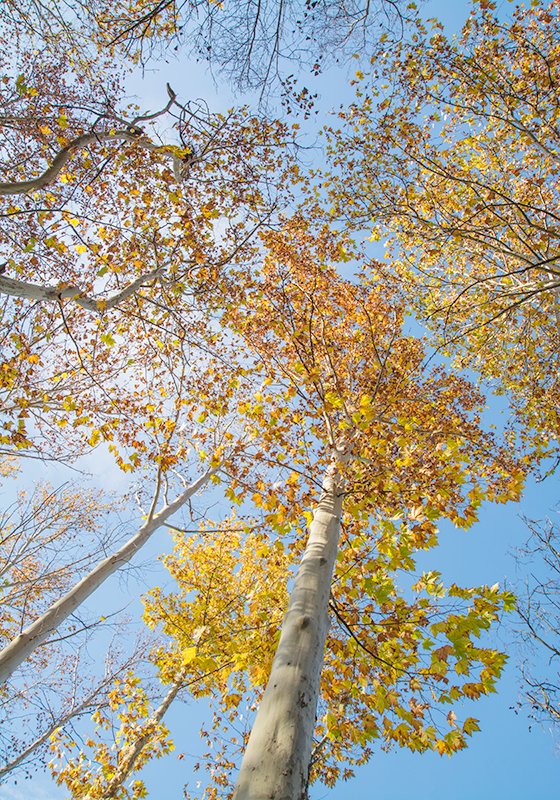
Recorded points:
451,150
183,294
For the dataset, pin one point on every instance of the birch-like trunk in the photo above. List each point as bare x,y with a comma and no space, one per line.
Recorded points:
33,291
35,634
276,762
129,755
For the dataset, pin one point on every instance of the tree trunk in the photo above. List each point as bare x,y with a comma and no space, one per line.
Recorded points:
129,755
36,633
276,761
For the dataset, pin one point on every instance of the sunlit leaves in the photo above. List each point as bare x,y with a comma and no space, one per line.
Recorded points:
454,161
104,771
112,215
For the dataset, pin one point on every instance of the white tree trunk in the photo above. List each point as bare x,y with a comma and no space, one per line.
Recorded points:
35,634
129,755
275,765
33,291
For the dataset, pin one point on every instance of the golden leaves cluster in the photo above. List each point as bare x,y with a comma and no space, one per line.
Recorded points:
451,151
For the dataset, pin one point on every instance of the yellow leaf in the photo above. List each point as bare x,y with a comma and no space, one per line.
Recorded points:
189,654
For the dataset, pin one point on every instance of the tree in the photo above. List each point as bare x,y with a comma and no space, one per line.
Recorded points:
344,393
359,386
33,635
207,627
115,249
108,288
261,46
356,424
538,611
48,541
451,151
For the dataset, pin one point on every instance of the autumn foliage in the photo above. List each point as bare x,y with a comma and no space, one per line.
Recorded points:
451,150
178,294
337,372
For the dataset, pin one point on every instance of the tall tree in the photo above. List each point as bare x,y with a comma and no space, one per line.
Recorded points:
352,433
117,253
117,250
360,384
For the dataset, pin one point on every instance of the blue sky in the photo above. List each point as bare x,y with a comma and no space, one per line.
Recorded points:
509,758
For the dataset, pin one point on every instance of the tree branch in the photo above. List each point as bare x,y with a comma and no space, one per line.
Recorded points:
33,291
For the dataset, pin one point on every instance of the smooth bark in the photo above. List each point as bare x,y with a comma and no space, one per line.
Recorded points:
33,291
133,133
276,762
63,156
130,754
35,634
